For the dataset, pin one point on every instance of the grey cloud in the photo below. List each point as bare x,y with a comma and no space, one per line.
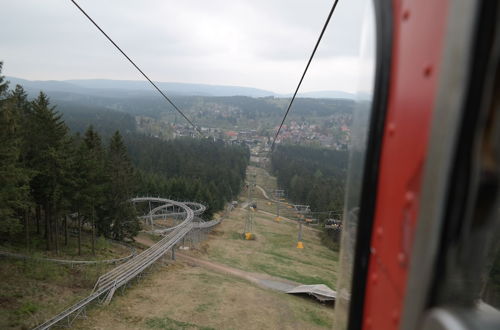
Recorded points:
260,43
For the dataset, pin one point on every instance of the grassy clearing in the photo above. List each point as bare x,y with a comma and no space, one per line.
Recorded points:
170,324
316,318
186,297
180,296
263,179
274,251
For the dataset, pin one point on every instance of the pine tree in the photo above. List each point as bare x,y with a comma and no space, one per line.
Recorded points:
21,106
78,171
48,157
13,178
118,212
4,85
94,189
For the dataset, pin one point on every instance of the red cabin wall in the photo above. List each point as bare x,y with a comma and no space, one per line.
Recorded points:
419,28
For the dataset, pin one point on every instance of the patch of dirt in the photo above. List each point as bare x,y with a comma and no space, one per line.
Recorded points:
203,248
262,280
8,302
216,232
144,239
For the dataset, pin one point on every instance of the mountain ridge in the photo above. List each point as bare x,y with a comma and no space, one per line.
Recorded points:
100,87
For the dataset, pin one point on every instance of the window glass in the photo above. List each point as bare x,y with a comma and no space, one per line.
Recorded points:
357,155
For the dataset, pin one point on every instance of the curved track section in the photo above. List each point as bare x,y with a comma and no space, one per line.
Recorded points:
162,210
169,210
206,224
121,275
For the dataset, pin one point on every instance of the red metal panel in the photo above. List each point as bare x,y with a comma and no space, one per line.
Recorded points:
417,45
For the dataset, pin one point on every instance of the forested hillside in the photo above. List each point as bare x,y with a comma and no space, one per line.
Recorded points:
48,173
311,176
80,104
189,169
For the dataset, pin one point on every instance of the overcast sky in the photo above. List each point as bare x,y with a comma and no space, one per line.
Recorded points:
256,43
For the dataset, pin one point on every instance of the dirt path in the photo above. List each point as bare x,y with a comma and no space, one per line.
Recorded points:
264,280
282,217
144,239
265,193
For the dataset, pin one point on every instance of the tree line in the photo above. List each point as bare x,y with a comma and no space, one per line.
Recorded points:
311,175
51,179
203,170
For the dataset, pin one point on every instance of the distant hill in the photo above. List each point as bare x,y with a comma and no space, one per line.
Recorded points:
173,88
324,95
110,105
124,88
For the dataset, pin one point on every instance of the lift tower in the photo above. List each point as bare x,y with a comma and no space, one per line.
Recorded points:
302,210
278,195
251,208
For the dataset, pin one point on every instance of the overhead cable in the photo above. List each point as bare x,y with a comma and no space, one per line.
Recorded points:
303,74
138,69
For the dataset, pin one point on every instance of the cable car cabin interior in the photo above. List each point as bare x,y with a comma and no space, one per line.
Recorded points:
420,241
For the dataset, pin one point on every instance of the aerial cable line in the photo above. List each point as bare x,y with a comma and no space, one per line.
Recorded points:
303,74
138,69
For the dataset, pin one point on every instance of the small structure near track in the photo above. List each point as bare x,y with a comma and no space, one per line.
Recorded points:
319,291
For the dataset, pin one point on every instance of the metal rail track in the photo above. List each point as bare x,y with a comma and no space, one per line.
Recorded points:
206,224
108,283
153,214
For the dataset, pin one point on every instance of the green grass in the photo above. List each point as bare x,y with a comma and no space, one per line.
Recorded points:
105,249
32,290
171,324
218,254
289,274
202,308
214,278
210,279
315,318
235,235
281,258
27,309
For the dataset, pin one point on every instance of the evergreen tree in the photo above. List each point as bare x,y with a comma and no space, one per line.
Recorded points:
94,189
47,173
48,158
13,178
119,219
311,175
4,85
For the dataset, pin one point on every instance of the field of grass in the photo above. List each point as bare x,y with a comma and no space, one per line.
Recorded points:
182,296
268,183
264,179
273,251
